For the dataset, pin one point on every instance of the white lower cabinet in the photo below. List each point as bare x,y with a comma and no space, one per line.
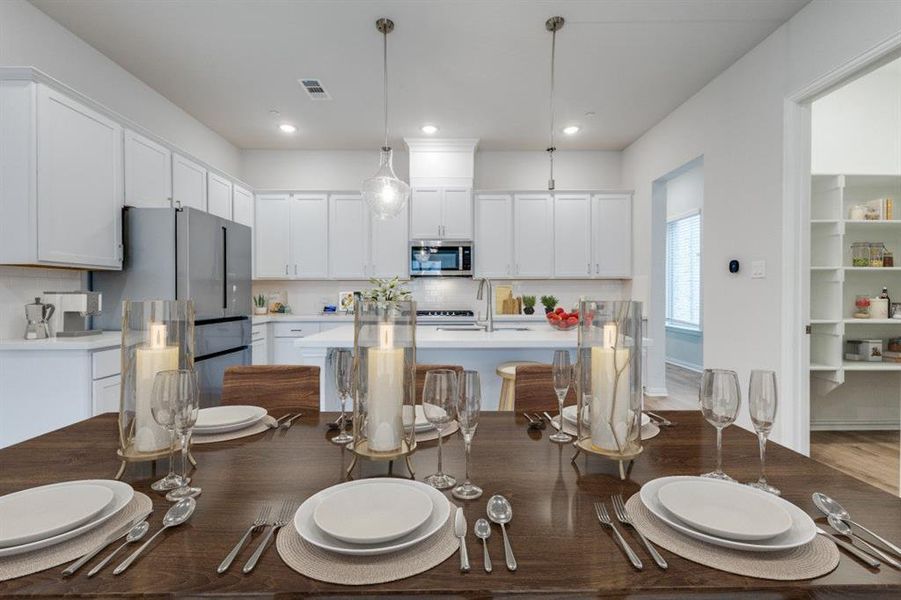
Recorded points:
105,395
259,344
283,336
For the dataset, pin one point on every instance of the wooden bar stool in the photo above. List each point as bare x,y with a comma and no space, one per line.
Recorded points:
507,372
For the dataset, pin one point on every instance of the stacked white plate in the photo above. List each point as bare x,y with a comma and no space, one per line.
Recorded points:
421,424
372,516
569,415
728,514
43,516
222,419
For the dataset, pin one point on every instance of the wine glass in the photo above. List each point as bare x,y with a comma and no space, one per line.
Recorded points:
563,373
344,372
439,402
468,407
762,401
720,398
185,400
164,415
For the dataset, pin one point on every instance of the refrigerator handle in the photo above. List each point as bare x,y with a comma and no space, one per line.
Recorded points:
224,268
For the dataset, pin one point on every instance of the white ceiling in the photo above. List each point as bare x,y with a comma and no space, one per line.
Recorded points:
474,68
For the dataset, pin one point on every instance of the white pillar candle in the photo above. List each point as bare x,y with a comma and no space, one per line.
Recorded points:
385,386
150,359
609,394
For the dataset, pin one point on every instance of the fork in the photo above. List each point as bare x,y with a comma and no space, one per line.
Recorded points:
277,524
261,521
619,507
604,518
278,421
287,424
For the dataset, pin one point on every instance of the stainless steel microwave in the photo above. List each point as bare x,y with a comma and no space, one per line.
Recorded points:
436,258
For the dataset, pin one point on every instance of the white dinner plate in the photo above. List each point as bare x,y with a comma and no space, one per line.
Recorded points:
374,513
569,414
420,424
222,419
802,531
42,512
122,495
303,522
735,512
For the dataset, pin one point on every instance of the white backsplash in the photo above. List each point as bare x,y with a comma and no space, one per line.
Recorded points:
21,285
308,297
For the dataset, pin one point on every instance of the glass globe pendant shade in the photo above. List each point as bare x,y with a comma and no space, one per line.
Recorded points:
384,193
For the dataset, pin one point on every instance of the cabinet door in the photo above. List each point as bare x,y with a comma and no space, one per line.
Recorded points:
242,206
493,253
426,219
105,395
284,352
348,237
272,235
572,235
260,354
457,214
309,236
188,183
148,172
533,235
79,183
219,196
611,216
389,248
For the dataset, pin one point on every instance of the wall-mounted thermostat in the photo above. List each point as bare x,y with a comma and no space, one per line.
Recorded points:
733,266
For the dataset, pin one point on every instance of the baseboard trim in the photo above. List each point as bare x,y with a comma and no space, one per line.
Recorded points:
854,426
685,365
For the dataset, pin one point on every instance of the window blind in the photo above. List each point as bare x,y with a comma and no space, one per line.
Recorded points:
683,271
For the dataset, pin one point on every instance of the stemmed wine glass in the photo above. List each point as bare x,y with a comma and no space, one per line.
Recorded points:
180,387
468,408
164,415
344,371
563,373
720,397
762,401
439,402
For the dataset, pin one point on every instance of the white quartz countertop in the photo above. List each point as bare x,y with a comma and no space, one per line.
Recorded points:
538,336
107,339
345,318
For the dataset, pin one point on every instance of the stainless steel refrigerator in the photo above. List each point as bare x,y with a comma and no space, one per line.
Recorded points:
186,254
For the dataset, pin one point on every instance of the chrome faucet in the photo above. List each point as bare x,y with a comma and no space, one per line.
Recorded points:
483,283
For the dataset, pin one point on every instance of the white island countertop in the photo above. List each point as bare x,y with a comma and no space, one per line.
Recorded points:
538,336
107,339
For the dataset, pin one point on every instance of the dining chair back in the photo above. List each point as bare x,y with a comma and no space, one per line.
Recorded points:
534,390
421,370
277,388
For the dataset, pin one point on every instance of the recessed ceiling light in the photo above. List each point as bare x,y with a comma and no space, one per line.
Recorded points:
571,129
287,128
429,129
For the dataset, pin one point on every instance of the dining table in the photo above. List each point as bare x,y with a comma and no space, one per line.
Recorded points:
561,549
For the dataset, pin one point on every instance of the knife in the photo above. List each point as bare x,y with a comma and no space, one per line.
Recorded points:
857,552
117,534
460,532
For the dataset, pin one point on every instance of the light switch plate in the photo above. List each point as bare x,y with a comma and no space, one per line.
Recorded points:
758,269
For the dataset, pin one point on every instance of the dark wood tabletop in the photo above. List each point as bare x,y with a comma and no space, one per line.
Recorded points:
561,549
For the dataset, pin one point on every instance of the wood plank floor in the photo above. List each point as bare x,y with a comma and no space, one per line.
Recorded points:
682,387
871,456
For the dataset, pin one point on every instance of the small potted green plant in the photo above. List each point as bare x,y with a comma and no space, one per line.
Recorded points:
549,303
259,305
528,303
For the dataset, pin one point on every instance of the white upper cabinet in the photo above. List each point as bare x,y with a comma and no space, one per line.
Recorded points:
242,206
348,237
389,250
426,213
309,236
494,235
272,235
457,213
148,172
611,216
533,235
572,235
188,183
219,196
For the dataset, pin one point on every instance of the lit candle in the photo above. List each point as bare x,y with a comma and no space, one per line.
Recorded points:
384,425
609,393
154,356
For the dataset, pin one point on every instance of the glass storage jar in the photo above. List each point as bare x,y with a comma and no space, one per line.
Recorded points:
860,254
876,254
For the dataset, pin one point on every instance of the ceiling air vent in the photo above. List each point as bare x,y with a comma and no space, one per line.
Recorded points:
314,89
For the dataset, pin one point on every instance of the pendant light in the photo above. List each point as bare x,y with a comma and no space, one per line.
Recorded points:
384,193
554,24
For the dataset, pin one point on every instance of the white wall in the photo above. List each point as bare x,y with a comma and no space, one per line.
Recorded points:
857,128
736,123
29,38
573,170
685,193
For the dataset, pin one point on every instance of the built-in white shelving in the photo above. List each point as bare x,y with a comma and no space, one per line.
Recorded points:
850,365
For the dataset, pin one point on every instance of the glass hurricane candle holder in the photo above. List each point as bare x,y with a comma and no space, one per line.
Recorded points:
157,335
609,393
384,375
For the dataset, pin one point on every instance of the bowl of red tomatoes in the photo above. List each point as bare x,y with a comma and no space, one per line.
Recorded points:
561,320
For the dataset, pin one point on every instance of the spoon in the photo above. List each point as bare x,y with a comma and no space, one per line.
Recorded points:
137,532
180,512
483,532
828,506
500,511
845,530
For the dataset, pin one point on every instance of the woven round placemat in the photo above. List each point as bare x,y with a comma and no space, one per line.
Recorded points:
66,552
811,560
432,434
647,432
263,425
322,565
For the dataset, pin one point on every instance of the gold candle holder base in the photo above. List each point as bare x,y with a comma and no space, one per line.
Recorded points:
361,450
130,455
585,445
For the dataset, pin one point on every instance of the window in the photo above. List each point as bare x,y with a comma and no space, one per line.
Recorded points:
683,271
